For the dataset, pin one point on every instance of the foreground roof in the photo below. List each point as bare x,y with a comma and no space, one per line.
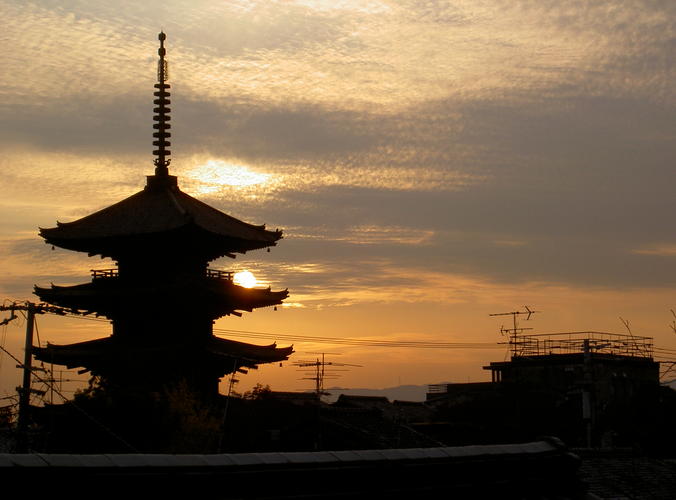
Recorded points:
538,470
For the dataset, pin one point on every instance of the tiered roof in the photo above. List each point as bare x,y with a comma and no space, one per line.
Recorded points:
102,354
162,239
111,297
161,210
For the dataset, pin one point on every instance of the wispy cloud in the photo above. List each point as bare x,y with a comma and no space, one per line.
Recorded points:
660,250
352,53
367,235
509,142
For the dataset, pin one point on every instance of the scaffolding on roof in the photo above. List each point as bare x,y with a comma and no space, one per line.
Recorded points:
545,344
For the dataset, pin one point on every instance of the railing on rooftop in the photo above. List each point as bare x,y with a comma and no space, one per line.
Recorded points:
578,342
115,273
437,388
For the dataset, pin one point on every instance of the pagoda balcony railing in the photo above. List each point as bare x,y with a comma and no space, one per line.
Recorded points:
217,273
98,274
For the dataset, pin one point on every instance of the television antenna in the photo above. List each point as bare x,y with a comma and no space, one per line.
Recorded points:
319,371
516,329
514,314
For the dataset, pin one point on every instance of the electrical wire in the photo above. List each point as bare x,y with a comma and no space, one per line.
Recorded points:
222,332
60,394
342,341
361,342
37,331
3,342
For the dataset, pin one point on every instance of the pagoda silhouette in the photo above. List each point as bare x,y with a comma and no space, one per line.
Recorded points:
162,299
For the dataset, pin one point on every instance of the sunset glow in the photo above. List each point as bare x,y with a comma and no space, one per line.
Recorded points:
245,279
213,175
429,164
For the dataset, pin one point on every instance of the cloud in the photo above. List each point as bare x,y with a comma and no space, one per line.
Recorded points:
659,250
352,55
27,261
430,162
519,142
369,235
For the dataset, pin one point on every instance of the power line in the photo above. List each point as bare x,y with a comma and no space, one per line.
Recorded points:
341,341
659,352
362,342
355,341
87,415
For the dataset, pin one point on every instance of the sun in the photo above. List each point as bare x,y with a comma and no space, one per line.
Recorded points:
245,279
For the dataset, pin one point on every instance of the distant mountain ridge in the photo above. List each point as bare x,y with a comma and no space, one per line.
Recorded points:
401,392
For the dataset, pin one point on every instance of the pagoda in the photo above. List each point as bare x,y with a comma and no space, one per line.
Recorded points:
162,298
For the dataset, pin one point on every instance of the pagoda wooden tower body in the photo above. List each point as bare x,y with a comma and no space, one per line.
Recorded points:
162,299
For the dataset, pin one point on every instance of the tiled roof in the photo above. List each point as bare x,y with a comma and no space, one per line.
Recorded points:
621,474
92,353
154,211
539,470
109,297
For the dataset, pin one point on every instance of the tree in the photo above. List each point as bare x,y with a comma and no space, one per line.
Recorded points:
258,392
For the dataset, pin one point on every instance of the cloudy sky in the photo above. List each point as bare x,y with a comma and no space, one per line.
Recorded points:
430,162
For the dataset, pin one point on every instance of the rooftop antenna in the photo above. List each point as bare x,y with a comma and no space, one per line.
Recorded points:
625,322
319,373
515,330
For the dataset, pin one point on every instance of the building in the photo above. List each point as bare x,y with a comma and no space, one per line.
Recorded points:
162,298
590,388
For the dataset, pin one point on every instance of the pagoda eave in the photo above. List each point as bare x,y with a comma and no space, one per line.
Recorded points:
156,216
250,353
102,355
108,297
188,239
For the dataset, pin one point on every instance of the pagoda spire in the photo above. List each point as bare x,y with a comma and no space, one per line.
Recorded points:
161,111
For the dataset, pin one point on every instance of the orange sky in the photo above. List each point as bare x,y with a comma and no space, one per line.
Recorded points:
429,163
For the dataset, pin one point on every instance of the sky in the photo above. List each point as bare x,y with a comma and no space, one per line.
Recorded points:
430,163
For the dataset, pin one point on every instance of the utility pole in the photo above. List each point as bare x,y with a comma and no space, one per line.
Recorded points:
318,376
586,393
25,389
319,373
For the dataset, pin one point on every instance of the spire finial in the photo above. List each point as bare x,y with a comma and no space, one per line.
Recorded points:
161,111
